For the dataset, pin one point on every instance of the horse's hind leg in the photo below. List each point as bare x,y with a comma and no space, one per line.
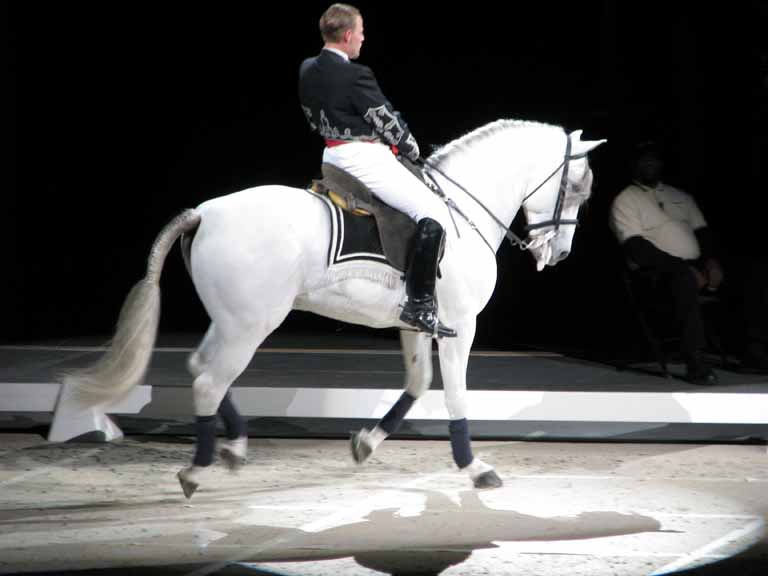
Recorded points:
232,355
200,358
234,449
417,355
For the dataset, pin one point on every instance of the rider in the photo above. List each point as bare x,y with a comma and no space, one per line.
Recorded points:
363,133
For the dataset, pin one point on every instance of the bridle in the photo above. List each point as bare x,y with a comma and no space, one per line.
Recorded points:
533,242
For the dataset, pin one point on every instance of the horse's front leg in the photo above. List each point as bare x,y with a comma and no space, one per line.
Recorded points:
417,356
454,358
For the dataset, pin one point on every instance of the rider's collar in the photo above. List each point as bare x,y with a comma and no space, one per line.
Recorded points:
337,51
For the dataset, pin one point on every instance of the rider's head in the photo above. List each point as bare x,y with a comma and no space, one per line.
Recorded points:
341,27
648,163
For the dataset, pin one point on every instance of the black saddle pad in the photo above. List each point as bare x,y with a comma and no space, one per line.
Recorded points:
387,231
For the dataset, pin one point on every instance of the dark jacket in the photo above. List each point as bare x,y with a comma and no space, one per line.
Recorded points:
343,101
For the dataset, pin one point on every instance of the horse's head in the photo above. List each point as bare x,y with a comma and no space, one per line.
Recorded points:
552,211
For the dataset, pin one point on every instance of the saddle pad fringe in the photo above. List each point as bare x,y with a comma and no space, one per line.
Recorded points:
389,280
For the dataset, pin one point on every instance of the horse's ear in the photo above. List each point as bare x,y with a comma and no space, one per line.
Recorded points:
578,147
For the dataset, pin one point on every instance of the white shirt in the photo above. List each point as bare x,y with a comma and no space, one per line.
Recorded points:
665,216
337,51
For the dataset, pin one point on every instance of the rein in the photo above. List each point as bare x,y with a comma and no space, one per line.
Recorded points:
514,240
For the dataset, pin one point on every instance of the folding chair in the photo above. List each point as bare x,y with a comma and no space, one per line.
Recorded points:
658,333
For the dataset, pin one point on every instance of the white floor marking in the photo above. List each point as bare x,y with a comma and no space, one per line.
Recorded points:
689,559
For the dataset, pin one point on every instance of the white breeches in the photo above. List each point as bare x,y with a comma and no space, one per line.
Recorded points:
377,167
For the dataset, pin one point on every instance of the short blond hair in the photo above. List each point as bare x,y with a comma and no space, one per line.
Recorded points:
336,20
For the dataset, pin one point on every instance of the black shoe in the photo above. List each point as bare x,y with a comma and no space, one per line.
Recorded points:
755,359
701,375
422,316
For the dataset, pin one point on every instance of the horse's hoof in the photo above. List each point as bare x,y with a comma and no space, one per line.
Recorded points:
233,453
360,448
232,461
488,480
187,485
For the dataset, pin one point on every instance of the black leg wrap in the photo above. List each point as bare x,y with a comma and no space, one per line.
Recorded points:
206,440
392,419
462,451
233,422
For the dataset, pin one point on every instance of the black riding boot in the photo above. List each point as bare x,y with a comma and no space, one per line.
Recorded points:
421,309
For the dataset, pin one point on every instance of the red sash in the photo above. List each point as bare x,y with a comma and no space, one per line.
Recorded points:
333,143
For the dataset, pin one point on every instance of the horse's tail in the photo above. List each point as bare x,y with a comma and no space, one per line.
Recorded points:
125,362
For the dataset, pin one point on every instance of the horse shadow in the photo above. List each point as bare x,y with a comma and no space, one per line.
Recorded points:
424,535
443,534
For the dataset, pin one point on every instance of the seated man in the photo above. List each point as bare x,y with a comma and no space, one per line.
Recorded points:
663,233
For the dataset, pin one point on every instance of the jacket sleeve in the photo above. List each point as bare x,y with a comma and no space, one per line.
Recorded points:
371,103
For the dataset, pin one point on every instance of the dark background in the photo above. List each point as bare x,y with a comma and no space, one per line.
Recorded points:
121,114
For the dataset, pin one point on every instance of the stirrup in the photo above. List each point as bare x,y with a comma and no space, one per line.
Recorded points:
423,318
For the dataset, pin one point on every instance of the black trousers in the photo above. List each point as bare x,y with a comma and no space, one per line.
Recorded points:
669,298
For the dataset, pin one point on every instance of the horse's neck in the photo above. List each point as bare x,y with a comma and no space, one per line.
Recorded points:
497,171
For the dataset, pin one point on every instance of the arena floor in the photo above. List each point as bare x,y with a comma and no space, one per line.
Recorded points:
301,507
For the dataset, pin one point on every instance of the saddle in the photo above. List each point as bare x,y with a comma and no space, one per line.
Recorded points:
395,229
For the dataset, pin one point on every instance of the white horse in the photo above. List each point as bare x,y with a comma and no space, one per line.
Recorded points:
259,253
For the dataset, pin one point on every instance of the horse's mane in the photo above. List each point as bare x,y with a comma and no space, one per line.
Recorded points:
480,135
471,139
